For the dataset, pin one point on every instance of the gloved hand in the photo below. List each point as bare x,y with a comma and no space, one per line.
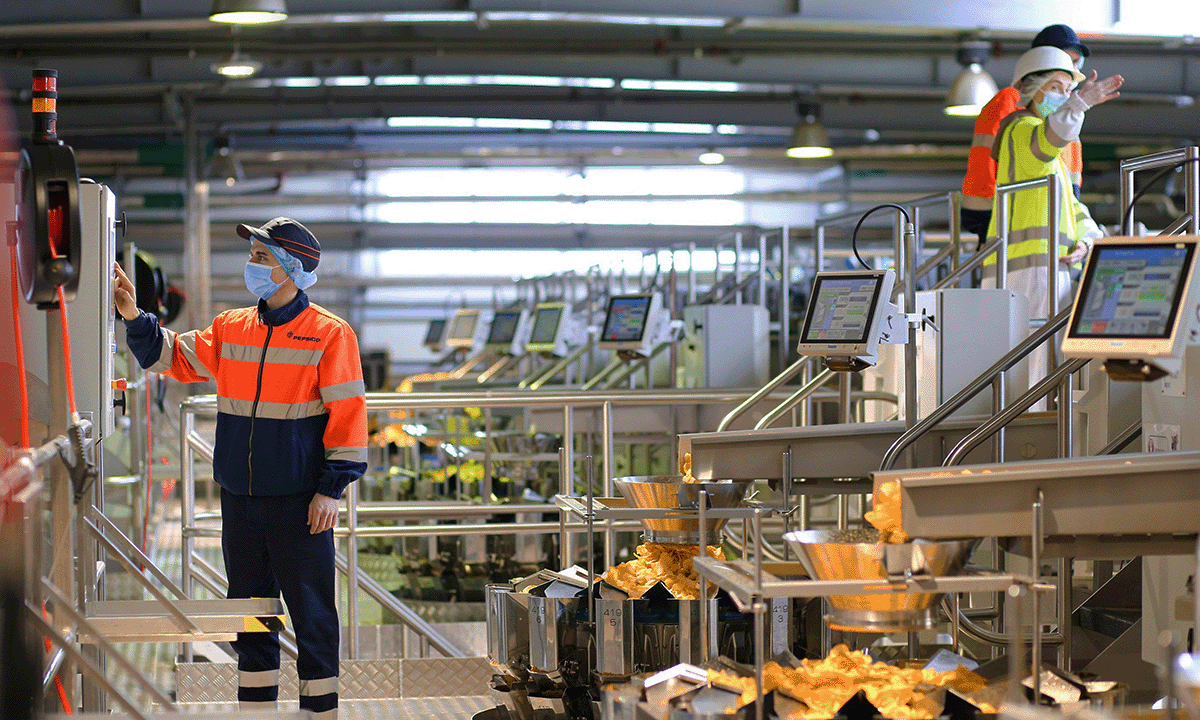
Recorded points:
1078,252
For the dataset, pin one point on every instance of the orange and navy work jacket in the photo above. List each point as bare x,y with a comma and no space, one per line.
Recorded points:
979,184
291,409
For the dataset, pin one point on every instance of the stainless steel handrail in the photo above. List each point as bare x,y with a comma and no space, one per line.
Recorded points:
1191,180
982,382
757,396
794,399
1126,436
1040,389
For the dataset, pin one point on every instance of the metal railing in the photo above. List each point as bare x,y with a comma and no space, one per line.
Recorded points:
1189,157
22,486
195,447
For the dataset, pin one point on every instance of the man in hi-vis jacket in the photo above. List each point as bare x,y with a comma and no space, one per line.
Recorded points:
291,436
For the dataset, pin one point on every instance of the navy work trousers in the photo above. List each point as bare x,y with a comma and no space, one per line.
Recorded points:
268,549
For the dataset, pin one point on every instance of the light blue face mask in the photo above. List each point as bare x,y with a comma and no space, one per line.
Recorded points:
259,282
1051,101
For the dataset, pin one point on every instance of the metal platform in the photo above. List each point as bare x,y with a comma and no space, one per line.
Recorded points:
151,621
824,454
410,678
1112,506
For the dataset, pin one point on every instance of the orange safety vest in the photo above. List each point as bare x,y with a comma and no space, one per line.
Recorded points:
291,408
979,184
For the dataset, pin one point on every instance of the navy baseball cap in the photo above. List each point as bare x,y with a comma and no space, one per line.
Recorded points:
1061,37
289,235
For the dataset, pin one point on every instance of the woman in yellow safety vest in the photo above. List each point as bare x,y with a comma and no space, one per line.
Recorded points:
1029,146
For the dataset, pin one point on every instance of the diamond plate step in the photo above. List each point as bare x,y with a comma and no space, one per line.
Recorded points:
359,680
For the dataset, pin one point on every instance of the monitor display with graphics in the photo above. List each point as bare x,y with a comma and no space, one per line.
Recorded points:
504,328
433,336
1132,290
545,325
842,308
462,328
626,319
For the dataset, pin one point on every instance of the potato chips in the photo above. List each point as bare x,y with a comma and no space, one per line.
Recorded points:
885,514
824,686
671,564
685,468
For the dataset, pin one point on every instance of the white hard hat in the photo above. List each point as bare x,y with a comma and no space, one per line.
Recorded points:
1042,59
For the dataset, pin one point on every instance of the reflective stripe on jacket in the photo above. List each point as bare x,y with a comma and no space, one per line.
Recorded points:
291,410
979,184
1028,149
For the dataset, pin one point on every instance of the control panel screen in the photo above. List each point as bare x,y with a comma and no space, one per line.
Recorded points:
434,334
504,328
626,319
841,309
463,326
545,325
1132,291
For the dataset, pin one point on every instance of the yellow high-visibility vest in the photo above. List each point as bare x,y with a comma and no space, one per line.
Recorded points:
1027,150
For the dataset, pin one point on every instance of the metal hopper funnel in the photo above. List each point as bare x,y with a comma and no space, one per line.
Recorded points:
831,555
670,492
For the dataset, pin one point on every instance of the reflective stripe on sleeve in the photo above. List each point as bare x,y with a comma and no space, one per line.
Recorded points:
343,391
187,347
349,454
166,355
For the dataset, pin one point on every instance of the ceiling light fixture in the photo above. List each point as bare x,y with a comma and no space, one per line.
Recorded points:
237,66
248,12
809,139
973,87
711,157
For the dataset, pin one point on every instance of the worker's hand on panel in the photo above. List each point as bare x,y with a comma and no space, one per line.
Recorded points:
322,513
1094,92
124,294
1078,252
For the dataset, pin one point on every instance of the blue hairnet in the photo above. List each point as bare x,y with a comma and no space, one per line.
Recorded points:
291,265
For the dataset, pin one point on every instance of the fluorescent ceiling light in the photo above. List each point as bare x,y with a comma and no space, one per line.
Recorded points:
299,82
248,12
565,17
397,80
680,85
514,123
431,122
348,81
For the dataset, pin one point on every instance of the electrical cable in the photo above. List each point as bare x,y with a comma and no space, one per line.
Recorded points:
21,382
55,217
1125,229
861,220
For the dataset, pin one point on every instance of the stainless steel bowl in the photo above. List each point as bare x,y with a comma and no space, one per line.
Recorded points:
832,555
671,492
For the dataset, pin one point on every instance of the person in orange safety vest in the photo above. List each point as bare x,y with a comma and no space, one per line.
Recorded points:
979,184
291,435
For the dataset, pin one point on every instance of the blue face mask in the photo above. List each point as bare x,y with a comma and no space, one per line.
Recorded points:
1051,101
259,282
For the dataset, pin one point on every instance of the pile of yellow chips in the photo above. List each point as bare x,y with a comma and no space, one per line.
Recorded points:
672,564
885,514
824,686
